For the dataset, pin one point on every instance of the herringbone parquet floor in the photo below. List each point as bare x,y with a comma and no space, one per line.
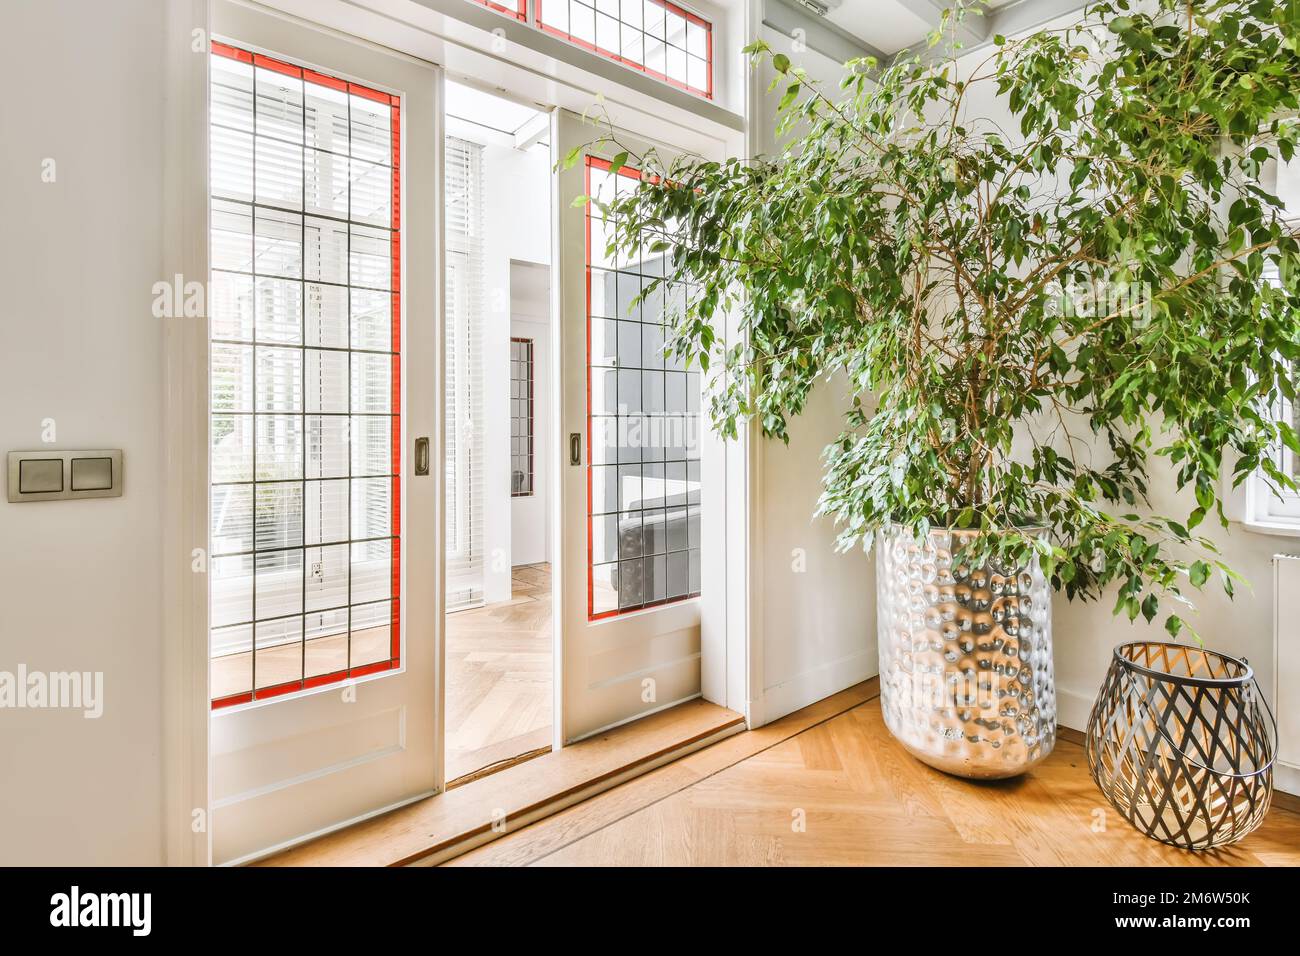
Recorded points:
843,792
499,676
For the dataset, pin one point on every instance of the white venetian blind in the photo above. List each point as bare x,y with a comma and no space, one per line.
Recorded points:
465,318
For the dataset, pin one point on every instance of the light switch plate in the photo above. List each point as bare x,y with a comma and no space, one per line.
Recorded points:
93,473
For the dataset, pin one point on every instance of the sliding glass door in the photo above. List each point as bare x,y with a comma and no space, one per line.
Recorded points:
323,630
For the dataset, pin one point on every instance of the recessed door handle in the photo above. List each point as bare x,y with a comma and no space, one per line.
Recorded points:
575,448
421,456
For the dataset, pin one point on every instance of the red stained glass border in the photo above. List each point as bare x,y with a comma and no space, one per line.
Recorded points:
394,102
707,93
519,12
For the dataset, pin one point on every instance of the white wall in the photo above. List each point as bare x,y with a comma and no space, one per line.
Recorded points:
818,625
530,318
517,226
80,581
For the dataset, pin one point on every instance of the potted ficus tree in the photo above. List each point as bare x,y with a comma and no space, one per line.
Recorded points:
1040,268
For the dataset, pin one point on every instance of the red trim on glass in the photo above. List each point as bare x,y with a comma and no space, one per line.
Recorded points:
278,690
279,66
641,67
393,101
320,79
368,93
230,52
320,680
232,700
591,581
395,630
708,57
374,668
519,13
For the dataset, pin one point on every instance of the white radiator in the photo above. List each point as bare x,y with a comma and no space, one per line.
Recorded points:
1286,668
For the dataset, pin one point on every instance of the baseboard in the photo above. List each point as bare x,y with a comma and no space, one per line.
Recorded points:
815,684
1286,783
1072,707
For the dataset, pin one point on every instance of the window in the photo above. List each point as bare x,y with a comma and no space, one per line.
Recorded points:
655,36
464,372
1270,507
519,10
521,418
305,334
643,419
1267,507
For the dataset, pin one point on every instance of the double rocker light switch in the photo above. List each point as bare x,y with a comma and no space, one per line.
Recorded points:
52,475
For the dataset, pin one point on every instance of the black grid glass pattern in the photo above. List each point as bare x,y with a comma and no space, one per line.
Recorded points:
655,36
521,417
302,537
643,407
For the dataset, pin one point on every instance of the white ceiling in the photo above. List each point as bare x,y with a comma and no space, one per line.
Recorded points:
891,25
886,25
486,110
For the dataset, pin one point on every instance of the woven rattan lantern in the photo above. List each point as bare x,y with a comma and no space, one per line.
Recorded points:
1179,744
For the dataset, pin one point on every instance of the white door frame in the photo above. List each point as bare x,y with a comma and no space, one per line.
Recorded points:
731,663
186,839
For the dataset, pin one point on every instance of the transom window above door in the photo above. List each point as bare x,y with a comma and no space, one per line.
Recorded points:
654,36
305,335
515,8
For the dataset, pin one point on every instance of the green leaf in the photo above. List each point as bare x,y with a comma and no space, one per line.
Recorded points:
1052,322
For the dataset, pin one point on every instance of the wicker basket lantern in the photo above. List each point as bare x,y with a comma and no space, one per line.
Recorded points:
1179,744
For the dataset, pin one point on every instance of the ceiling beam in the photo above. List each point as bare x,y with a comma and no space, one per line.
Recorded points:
534,130
786,16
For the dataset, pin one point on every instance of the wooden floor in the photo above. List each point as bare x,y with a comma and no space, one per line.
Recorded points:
499,675
841,791
481,810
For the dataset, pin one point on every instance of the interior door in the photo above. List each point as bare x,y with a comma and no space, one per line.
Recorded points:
630,474
325,360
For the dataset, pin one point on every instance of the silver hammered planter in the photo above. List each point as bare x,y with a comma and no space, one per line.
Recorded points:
966,680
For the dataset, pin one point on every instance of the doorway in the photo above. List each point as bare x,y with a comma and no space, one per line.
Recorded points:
501,354
499,635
